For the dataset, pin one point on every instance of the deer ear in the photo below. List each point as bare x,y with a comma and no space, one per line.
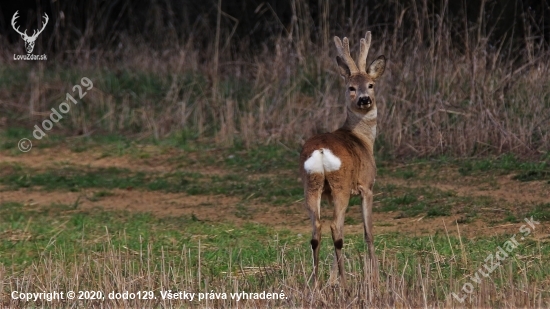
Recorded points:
377,67
343,67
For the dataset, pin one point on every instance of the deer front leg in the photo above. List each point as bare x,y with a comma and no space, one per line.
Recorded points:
366,207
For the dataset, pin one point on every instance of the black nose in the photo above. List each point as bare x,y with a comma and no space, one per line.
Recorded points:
364,101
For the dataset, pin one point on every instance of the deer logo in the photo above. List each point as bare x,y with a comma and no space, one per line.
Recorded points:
29,40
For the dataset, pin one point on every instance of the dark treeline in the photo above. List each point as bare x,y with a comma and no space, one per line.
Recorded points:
102,25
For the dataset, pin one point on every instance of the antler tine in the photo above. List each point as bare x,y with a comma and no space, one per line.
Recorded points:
44,23
365,46
343,51
15,16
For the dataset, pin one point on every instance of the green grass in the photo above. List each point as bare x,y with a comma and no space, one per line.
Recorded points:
541,212
266,159
276,189
428,169
10,137
430,201
169,250
531,175
29,234
73,179
506,164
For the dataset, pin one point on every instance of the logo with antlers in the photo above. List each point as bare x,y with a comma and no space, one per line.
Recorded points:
29,40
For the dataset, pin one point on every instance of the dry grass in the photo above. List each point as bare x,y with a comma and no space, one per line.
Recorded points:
404,285
447,88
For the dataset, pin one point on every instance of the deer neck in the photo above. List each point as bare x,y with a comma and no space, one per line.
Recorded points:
362,126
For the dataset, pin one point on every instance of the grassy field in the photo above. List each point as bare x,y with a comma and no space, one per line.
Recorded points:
114,215
178,170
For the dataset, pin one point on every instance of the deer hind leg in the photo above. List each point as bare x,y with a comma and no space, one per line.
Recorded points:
333,279
340,201
366,207
313,205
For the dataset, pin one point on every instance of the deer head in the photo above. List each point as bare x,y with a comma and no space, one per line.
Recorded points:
359,80
29,40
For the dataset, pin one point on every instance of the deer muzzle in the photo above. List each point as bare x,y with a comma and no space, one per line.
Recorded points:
364,102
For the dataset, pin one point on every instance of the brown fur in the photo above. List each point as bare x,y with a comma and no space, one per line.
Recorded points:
356,159
353,145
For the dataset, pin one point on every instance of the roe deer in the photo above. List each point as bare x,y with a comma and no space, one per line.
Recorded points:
340,164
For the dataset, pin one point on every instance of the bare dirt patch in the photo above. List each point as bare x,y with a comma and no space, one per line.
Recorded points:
226,209
504,188
212,208
48,157
97,158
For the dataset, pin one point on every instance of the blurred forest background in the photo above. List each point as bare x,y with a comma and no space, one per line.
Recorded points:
464,78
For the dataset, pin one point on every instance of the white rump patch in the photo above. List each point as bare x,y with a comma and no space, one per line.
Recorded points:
330,161
322,161
315,163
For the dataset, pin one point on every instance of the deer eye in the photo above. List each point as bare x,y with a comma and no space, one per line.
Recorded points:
351,89
371,86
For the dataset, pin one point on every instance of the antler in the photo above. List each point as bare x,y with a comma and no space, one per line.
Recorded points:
343,51
43,26
365,46
13,24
